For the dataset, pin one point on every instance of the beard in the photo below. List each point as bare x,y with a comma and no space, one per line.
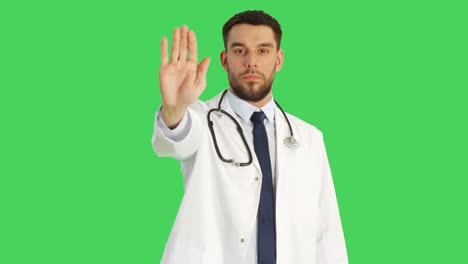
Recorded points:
252,91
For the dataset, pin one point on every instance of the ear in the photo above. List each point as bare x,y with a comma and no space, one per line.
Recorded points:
279,59
223,57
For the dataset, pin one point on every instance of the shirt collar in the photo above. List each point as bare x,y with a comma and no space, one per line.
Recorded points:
245,110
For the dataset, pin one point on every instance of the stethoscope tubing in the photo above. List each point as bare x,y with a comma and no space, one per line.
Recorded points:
290,141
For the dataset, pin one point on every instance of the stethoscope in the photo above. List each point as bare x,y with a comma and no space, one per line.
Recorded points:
290,141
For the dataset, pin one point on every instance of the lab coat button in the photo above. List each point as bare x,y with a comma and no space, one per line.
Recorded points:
256,178
242,240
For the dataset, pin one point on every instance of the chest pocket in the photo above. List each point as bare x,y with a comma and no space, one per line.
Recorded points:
231,146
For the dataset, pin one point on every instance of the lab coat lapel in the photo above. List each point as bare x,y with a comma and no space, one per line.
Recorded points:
283,152
285,158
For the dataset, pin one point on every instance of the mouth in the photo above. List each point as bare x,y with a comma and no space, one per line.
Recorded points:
251,77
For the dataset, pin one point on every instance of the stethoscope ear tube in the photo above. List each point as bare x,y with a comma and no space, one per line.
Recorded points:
239,130
213,135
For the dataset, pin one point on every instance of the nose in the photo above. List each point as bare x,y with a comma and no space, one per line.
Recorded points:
250,61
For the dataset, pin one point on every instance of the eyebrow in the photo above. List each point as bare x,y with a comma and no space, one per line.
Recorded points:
265,44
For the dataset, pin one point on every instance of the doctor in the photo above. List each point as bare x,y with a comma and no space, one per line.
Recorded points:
259,194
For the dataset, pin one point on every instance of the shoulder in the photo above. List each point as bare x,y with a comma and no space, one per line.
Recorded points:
303,126
308,135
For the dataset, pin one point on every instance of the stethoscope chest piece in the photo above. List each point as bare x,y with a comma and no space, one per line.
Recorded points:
291,142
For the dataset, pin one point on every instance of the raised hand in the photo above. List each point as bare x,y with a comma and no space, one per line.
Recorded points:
181,79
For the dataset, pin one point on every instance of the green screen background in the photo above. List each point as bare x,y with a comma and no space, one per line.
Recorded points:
385,81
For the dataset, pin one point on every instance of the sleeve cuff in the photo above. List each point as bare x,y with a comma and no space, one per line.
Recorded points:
178,133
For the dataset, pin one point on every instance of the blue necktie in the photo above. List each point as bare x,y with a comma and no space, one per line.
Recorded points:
266,235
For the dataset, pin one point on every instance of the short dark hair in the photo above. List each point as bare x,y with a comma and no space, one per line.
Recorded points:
253,17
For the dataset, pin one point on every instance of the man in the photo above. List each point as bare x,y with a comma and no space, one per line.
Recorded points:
279,206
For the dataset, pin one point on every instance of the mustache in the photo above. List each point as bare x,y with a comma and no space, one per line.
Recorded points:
252,71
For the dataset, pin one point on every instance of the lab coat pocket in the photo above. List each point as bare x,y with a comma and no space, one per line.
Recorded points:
239,175
230,149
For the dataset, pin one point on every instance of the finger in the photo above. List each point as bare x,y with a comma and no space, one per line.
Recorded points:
183,43
192,47
175,45
201,72
164,51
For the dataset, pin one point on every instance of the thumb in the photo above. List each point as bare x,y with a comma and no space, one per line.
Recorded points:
202,69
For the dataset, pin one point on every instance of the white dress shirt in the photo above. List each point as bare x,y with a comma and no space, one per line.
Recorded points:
243,111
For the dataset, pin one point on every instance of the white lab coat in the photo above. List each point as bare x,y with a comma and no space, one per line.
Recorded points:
219,207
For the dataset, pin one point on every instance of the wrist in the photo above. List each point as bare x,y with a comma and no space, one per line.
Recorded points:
172,115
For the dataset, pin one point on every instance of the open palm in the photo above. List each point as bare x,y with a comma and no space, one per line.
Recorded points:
181,79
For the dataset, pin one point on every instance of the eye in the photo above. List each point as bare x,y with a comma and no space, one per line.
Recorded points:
264,51
239,51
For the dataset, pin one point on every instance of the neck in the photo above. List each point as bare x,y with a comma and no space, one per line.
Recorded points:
258,104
